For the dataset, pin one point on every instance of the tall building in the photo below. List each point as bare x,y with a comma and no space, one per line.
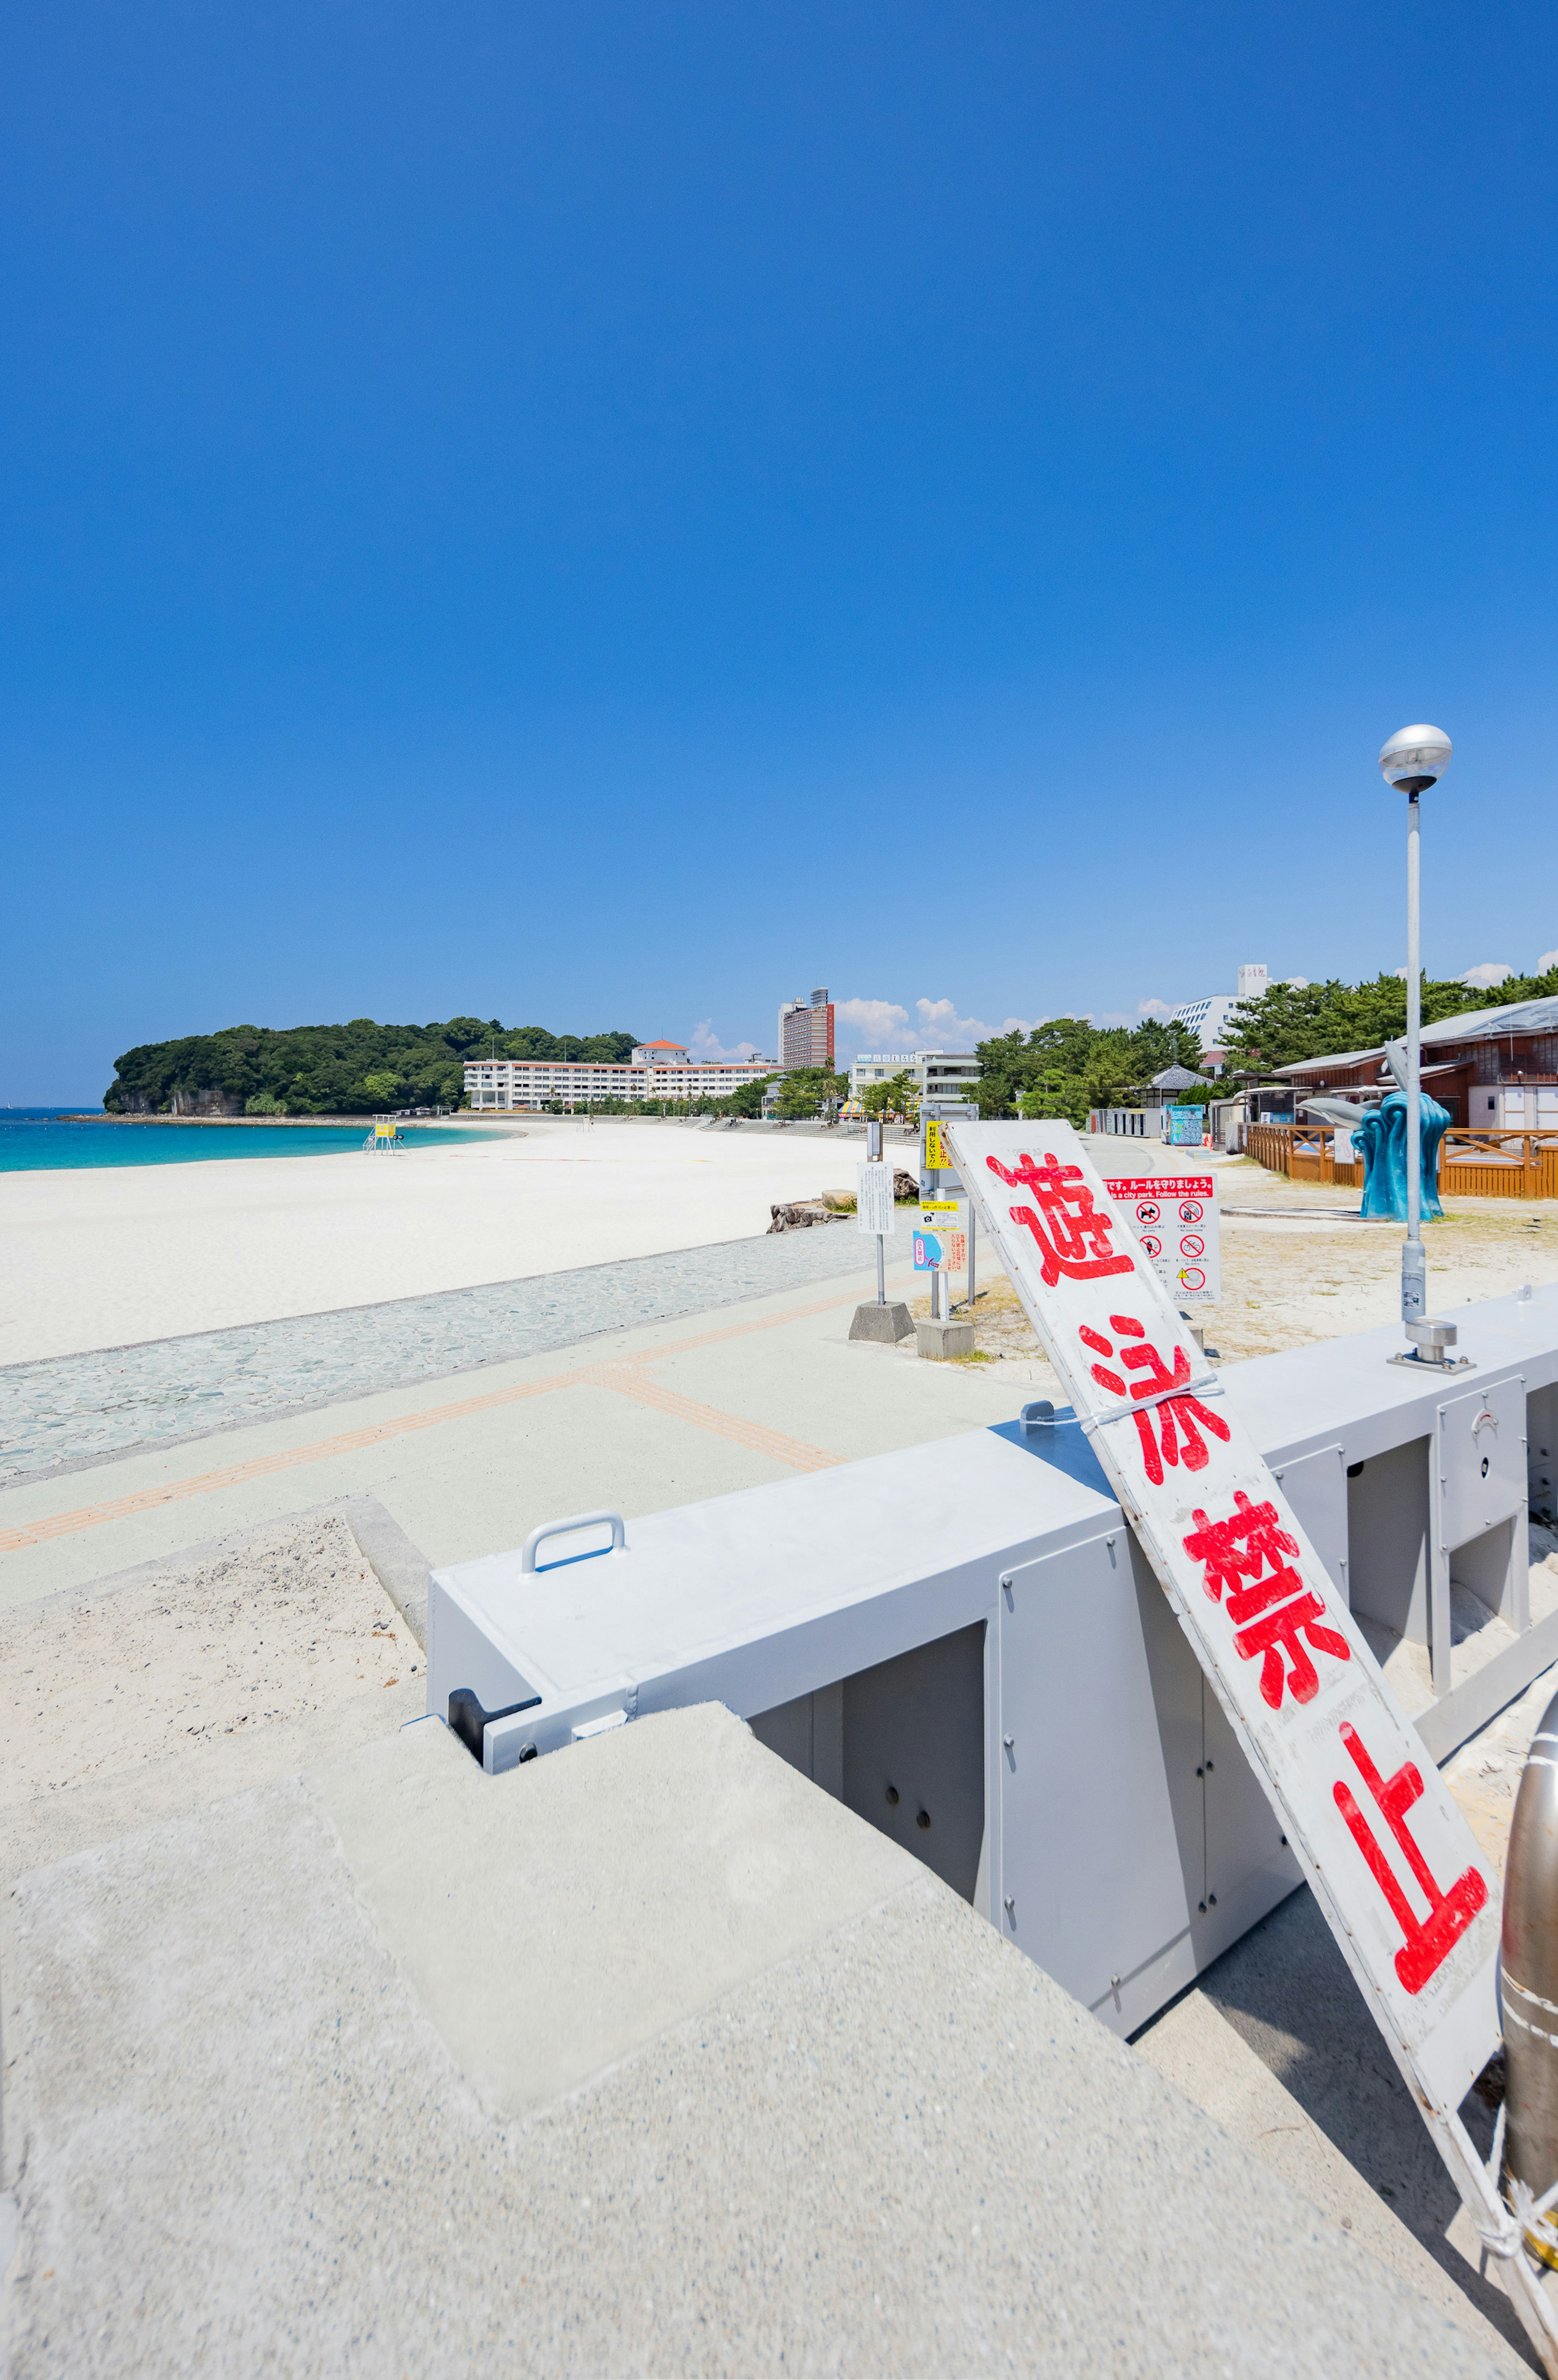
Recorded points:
1208,1017
806,1032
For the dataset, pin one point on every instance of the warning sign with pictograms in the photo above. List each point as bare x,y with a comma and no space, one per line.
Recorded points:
1176,1220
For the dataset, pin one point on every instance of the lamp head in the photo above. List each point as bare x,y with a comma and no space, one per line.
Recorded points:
1415,759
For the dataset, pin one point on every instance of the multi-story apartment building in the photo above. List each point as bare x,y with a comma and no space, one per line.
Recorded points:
949,1074
806,1032
657,1070
1206,1017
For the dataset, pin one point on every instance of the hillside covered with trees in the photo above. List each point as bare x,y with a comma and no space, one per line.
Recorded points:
330,1069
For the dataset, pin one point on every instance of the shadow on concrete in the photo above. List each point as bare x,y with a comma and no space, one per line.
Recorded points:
1286,1991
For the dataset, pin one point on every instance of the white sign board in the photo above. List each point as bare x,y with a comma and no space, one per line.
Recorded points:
875,1210
1174,1217
1388,1853
940,1235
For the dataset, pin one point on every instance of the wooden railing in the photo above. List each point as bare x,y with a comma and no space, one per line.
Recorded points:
1471,1164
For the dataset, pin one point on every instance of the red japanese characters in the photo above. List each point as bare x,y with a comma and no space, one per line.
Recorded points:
1073,1232
1179,1420
1429,1939
1267,1601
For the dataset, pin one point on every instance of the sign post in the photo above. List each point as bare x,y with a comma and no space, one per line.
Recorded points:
1387,1853
876,1213
938,1178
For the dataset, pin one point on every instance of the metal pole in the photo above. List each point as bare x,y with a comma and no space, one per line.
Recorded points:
1530,1974
881,1270
1414,1265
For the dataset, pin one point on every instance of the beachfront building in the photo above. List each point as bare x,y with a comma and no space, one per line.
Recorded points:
939,1074
1494,1069
806,1032
657,1070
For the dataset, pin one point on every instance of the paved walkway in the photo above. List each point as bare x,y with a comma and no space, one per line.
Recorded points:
72,1411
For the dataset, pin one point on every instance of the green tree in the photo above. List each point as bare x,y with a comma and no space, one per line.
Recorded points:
322,1069
1054,1095
1316,1020
898,1096
806,1089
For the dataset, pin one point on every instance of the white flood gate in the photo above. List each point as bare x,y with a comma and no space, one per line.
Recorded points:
1388,1855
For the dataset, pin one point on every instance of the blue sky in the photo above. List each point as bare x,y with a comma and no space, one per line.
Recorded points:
615,515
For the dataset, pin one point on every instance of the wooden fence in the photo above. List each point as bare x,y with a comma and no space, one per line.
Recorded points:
1471,1164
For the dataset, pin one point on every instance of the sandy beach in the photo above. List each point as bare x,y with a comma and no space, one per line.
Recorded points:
106,1257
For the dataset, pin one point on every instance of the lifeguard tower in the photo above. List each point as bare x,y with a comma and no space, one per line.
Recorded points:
384,1135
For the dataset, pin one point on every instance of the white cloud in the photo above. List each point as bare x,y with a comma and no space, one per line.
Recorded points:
1301,982
1021,1024
939,1021
1153,1008
872,1023
705,1045
1401,973
1483,977
1548,959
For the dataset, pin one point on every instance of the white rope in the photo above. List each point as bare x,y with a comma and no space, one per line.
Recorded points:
1210,1387
1502,2232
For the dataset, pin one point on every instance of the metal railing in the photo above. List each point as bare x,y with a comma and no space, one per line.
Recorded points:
1472,1163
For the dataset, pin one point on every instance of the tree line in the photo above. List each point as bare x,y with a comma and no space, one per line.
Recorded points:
1069,1065
1313,1020
331,1069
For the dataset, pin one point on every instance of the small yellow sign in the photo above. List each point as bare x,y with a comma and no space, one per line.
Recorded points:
937,1155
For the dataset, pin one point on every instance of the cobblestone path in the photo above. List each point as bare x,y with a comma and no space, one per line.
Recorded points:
69,1411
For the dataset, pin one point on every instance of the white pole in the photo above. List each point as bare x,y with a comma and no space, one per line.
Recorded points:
1414,1266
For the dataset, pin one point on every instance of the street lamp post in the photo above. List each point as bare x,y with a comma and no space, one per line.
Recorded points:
1414,758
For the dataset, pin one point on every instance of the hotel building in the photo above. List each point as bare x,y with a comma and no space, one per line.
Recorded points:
806,1032
657,1070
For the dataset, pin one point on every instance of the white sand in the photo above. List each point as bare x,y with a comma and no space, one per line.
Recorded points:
107,1256
121,1709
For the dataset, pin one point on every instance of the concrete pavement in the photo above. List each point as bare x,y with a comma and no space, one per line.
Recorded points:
649,2056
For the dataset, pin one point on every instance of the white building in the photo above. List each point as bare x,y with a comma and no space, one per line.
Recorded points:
1208,1017
657,1070
950,1072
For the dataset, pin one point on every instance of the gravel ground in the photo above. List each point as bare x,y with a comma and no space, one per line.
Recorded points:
71,1411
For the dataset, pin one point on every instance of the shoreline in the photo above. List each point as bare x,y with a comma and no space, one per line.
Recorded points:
273,1122
104,1257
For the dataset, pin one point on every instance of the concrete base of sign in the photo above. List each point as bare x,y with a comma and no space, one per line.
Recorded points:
883,1325
942,1340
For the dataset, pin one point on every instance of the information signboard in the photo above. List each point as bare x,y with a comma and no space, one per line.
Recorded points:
1174,1217
875,1210
1187,1127
940,1235
1387,1851
938,1150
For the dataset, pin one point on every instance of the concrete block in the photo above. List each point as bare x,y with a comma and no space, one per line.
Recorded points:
941,1339
647,2057
882,1325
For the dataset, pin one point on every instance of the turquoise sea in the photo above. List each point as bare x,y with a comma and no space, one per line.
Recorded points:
38,1140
